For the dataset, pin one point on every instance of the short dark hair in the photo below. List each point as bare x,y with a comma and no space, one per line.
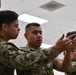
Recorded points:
32,24
7,16
70,33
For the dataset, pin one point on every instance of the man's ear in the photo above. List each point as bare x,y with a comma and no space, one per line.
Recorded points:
25,35
4,27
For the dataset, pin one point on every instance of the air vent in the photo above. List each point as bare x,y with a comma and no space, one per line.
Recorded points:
51,6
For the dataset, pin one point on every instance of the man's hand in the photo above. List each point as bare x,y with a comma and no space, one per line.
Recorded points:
64,44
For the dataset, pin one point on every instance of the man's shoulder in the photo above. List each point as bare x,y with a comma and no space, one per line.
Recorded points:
7,45
25,49
3,44
11,44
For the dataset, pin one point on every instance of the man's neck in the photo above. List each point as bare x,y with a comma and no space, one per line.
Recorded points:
3,38
36,48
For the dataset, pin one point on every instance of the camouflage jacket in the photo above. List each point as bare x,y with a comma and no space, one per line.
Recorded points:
36,55
72,70
11,56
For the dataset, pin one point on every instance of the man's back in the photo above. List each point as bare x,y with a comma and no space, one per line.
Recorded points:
4,70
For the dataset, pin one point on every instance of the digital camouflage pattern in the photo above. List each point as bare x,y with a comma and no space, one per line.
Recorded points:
11,56
72,70
38,55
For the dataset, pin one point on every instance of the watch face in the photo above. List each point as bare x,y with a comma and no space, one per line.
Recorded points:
74,38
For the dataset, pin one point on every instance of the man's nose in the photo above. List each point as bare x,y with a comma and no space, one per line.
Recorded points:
18,29
39,35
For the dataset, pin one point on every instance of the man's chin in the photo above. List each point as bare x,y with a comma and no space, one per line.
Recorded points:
39,45
14,38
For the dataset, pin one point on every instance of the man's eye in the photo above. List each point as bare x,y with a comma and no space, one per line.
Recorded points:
40,32
34,32
16,25
37,32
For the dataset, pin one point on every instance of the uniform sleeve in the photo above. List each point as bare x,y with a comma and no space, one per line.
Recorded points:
55,60
22,60
72,67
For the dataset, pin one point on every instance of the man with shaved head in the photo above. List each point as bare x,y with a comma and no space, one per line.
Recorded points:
33,35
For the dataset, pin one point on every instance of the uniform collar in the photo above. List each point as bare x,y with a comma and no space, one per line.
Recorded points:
1,38
32,49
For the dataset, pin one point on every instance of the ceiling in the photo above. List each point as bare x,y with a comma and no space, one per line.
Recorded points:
60,21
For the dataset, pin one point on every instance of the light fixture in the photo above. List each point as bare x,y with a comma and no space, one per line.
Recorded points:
30,18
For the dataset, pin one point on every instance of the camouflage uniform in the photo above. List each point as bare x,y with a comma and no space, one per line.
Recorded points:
11,56
45,70
72,70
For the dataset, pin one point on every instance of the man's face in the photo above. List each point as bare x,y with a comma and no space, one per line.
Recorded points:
13,30
34,36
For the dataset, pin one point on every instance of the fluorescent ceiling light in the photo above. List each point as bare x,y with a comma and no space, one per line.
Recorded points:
30,18
45,45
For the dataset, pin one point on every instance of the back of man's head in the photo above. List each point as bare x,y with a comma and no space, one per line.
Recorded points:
7,16
70,33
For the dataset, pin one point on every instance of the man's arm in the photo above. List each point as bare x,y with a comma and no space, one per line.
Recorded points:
15,58
62,45
73,58
63,65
